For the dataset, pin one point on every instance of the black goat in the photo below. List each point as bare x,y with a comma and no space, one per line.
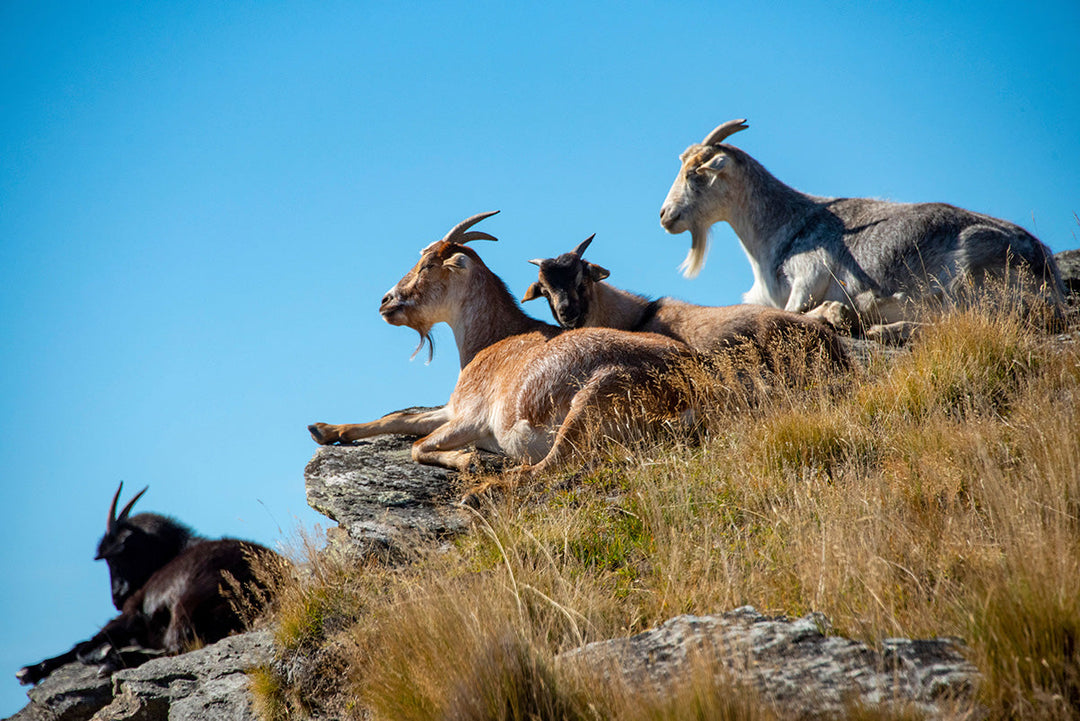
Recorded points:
173,589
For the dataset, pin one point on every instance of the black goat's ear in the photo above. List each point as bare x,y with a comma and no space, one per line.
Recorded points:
532,293
596,272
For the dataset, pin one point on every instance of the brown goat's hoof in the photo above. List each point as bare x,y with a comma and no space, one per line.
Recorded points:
321,434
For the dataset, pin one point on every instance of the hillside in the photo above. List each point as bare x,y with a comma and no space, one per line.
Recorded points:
773,565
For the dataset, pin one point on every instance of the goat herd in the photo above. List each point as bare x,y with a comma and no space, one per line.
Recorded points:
537,393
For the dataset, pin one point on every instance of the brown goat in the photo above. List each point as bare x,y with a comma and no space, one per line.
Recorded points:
785,343
527,389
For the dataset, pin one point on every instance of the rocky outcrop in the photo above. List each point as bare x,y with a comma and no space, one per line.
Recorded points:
382,501
792,664
205,685
71,693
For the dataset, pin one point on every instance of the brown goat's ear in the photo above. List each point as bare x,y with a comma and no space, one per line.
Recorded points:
596,272
457,261
532,293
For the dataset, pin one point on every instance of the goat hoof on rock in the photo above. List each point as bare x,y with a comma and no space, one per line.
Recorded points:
323,434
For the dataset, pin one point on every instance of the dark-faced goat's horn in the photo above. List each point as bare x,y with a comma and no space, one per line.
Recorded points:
722,131
583,245
457,234
127,509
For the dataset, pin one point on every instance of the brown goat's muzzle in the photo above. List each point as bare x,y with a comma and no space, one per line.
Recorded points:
392,309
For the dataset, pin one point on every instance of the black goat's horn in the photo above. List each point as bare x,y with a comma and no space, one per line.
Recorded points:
127,509
112,509
583,245
457,234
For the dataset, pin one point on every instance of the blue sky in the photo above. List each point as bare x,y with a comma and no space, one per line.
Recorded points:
201,205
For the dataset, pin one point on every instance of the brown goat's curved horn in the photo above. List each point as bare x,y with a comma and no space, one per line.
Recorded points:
722,131
112,509
583,245
476,235
457,234
127,509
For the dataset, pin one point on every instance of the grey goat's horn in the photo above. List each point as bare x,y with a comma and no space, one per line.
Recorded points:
722,131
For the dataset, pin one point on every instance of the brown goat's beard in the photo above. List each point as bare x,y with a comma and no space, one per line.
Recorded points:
425,337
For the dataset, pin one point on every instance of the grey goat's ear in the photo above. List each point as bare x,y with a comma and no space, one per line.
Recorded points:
596,272
715,163
532,293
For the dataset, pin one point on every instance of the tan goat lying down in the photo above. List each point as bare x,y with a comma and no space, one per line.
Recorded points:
527,389
787,344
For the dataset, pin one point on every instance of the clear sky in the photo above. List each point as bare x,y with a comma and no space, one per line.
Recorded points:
202,203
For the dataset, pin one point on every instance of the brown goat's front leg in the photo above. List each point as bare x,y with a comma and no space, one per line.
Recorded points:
411,423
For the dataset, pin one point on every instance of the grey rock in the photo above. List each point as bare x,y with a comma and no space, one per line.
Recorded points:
205,685
1068,263
382,500
793,663
71,693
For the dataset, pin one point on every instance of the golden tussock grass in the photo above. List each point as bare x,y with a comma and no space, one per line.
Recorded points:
933,494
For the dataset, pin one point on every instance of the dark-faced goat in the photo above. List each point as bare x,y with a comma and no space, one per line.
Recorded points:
173,589
787,344
833,256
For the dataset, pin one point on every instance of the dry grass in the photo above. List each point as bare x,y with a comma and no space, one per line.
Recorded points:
936,494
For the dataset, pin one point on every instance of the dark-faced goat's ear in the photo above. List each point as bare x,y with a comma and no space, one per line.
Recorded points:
532,293
596,272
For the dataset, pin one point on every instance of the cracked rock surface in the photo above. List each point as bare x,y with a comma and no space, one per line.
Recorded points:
210,684
793,664
382,500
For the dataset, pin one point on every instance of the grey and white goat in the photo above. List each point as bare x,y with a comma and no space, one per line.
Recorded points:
872,256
